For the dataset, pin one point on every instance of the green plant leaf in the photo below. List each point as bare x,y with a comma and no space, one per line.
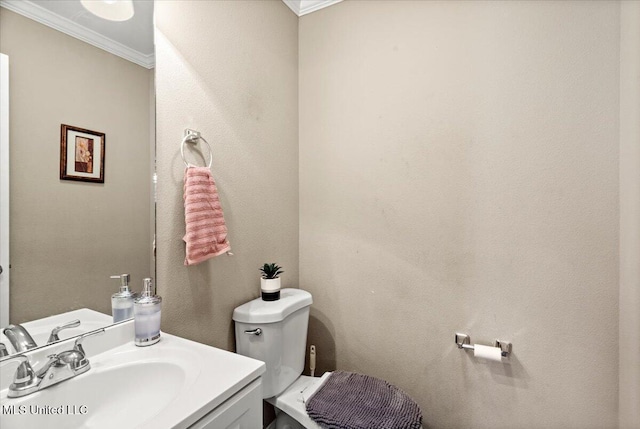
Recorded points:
271,271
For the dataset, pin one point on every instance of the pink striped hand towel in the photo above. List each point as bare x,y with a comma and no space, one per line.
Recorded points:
206,231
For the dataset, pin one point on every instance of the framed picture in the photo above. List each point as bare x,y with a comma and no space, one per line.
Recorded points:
81,154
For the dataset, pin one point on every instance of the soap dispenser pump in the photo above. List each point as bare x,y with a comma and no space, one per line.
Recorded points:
147,310
122,301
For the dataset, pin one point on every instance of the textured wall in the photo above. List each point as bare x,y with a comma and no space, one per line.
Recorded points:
229,70
630,215
459,172
69,237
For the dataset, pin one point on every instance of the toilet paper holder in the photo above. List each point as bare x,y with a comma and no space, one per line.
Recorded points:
464,342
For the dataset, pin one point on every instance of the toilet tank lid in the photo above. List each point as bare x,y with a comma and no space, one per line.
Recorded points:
259,311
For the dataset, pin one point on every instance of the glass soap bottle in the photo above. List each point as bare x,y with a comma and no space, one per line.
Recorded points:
146,313
122,301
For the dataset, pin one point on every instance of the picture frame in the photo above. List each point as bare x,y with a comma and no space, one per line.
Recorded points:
81,154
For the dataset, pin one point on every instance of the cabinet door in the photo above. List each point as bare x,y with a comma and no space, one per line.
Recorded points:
242,411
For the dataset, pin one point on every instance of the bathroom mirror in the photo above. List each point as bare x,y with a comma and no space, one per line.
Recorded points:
67,237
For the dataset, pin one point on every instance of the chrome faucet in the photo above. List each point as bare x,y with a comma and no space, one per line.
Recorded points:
22,341
19,338
60,367
3,350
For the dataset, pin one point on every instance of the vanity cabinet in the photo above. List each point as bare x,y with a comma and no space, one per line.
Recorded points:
242,411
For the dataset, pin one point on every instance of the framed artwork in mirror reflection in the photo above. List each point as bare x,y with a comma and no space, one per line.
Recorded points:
81,154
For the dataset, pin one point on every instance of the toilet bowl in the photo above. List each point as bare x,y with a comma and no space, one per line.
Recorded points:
275,332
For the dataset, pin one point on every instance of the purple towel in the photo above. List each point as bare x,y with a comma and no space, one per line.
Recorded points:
354,401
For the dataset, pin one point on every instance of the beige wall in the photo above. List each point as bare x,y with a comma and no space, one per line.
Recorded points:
629,215
68,237
229,70
459,172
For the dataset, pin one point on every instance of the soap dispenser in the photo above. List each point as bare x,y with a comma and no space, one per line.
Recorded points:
122,301
146,310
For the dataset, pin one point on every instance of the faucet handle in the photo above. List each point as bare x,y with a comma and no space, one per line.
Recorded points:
24,379
24,373
78,344
54,333
76,360
3,350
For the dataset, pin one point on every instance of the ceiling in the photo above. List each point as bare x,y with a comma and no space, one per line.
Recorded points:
303,7
132,39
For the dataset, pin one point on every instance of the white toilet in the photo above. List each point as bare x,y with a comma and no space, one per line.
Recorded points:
275,332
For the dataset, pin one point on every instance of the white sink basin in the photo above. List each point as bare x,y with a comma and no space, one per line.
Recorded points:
110,395
170,384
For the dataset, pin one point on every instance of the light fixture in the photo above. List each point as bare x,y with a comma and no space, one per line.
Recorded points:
113,10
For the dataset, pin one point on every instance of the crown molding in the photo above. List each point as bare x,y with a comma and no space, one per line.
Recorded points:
50,19
303,7
294,5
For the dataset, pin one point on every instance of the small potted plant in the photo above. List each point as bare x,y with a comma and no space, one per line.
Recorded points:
270,282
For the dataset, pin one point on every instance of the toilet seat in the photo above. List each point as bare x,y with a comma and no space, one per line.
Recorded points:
292,400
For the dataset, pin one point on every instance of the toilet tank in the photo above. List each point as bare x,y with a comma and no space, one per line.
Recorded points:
282,341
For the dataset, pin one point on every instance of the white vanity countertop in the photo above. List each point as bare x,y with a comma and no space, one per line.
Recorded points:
171,384
216,376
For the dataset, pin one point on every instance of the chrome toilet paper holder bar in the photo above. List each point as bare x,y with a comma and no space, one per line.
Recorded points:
464,342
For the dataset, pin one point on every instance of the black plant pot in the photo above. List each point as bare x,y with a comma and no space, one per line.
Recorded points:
270,296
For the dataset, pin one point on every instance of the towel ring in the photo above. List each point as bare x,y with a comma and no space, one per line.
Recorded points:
192,137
